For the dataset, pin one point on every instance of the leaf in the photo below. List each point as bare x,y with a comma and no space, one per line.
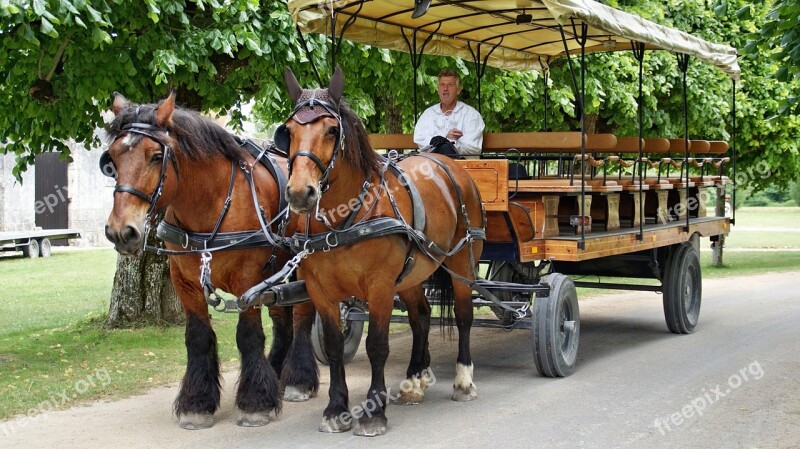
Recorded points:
47,28
744,13
721,10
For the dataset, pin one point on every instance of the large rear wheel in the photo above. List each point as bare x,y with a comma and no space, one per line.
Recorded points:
683,289
556,327
44,247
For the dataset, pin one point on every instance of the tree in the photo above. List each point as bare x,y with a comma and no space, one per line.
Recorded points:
61,60
779,38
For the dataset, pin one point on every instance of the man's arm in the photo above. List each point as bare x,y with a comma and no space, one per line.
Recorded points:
471,141
423,130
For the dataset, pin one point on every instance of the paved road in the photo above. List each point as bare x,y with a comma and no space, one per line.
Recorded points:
733,384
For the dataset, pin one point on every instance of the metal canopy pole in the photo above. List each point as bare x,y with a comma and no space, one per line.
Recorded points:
638,53
308,54
336,43
733,143
581,38
546,80
416,58
480,66
683,64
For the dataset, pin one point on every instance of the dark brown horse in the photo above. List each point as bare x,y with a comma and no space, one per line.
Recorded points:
335,185
179,163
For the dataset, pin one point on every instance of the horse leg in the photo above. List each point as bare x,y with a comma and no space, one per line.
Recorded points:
463,388
418,375
372,421
300,374
258,393
281,336
336,417
199,394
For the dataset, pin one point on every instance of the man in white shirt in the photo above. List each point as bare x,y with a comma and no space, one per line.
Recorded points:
452,127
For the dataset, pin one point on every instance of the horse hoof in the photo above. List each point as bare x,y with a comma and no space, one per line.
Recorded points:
334,425
460,395
254,419
409,398
294,394
195,421
371,427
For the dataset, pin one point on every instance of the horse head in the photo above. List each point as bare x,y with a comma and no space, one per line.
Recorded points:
141,160
312,137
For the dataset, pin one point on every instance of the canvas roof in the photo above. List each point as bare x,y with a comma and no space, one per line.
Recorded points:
461,28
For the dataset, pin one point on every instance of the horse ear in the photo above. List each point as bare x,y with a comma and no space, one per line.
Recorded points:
165,110
336,86
119,104
292,85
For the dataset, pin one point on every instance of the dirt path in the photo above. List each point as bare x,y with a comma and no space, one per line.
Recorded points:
734,383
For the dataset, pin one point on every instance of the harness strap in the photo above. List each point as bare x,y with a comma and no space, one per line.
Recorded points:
198,241
419,218
272,166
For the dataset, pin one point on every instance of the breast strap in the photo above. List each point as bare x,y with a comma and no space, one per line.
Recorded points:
418,219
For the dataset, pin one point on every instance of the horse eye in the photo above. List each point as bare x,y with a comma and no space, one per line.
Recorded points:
157,157
333,130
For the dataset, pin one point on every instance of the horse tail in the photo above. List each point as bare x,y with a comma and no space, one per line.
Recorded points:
440,287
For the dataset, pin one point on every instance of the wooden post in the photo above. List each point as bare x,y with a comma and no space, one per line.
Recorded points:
612,214
551,215
661,213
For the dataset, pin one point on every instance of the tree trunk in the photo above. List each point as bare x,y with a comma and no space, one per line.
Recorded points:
143,292
392,114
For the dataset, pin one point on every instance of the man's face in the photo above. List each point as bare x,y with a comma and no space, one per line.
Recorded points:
448,90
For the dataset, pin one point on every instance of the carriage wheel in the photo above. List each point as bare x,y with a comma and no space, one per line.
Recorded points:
44,247
31,249
556,328
352,335
683,289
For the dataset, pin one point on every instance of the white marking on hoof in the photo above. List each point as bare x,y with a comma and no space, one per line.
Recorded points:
195,421
412,390
294,394
372,428
254,419
463,388
337,424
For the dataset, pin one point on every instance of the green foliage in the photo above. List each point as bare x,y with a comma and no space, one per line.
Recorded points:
61,60
221,55
794,190
779,39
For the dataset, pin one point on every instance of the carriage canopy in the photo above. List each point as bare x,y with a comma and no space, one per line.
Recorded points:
516,34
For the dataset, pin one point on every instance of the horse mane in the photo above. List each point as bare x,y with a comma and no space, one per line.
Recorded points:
199,136
357,149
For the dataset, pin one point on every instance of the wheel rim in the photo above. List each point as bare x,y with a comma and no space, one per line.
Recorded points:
566,337
690,296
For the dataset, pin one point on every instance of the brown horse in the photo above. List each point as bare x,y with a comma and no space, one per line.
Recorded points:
189,163
342,191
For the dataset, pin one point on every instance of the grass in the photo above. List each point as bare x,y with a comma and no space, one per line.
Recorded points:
55,351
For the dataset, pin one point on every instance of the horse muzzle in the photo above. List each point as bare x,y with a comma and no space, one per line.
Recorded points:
302,200
127,239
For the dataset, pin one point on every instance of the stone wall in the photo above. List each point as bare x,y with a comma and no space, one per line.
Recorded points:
91,196
16,200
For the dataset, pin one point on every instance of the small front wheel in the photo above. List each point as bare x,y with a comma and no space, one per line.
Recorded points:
556,327
352,331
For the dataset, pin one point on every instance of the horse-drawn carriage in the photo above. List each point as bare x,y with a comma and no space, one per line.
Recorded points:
533,209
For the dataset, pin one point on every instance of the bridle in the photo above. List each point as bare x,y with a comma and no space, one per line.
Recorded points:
108,169
282,136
